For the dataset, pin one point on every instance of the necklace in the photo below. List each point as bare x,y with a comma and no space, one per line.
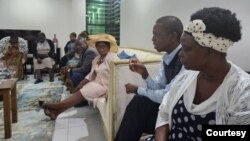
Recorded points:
100,60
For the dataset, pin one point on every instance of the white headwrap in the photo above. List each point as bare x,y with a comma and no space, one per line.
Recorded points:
196,28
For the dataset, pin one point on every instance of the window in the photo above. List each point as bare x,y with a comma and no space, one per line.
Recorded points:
103,16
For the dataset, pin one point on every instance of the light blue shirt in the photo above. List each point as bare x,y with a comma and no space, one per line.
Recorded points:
156,89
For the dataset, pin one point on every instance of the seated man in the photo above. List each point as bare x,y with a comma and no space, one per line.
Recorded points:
14,50
71,64
78,73
141,113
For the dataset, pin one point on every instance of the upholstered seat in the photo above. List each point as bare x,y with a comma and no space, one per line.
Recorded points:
113,106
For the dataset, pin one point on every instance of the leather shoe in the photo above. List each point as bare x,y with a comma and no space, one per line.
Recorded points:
51,79
38,81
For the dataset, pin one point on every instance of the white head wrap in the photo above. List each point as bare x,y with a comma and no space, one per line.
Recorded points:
196,28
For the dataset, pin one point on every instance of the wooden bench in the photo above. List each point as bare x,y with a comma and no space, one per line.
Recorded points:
113,106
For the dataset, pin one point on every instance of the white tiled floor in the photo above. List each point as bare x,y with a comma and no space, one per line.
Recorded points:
79,124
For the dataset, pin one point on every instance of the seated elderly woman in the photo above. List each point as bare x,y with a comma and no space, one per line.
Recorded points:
94,85
44,54
212,91
13,50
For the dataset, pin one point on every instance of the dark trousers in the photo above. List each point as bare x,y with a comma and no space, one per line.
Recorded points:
63,62
140,117
76,78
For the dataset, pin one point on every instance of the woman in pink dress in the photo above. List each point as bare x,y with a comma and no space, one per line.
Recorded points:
94,85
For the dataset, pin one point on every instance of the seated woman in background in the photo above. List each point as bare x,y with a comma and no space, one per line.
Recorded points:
94,85
8,41
44,54
13,58
70,47
76,58
14,49
69,50
212,91
84,35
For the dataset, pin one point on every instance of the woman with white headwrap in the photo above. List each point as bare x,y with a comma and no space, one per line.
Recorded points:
212,90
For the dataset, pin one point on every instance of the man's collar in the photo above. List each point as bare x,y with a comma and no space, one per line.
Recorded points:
167,58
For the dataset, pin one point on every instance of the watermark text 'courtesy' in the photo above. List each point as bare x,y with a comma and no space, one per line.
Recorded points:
235,132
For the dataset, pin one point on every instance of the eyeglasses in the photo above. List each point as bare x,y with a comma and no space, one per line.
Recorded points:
102,46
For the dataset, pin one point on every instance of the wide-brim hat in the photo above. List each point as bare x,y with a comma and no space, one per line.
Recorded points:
105,38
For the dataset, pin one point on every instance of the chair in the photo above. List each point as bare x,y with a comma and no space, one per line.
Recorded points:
28,66
113,106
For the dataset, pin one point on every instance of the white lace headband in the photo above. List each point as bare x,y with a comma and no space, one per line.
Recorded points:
196,28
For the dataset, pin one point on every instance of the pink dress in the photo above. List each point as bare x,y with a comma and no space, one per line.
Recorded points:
98,79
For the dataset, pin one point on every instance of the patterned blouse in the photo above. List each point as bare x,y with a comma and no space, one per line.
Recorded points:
23,45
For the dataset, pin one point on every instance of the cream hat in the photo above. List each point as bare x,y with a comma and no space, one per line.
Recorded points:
104,37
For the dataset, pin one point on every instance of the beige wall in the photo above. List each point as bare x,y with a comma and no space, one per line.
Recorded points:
59,17
138,17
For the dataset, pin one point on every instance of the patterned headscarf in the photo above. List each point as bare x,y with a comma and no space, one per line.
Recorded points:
197,28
